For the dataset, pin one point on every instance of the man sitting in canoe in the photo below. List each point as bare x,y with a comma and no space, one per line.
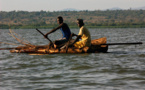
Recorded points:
65,32
84,35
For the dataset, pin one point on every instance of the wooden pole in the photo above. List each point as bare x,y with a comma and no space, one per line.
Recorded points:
131,43
7,48
44,35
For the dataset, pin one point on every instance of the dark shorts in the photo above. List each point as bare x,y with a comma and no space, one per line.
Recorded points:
60,41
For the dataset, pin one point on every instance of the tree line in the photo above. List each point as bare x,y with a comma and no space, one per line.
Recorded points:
97,18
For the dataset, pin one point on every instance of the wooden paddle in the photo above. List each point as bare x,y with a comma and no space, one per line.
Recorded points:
44,35
68,43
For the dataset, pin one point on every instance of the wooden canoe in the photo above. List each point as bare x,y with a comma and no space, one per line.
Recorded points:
44,49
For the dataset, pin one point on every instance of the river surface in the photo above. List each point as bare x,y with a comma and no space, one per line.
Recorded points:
122,68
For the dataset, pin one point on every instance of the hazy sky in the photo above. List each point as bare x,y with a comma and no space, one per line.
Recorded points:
54,5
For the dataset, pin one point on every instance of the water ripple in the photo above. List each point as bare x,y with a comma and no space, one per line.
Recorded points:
122,68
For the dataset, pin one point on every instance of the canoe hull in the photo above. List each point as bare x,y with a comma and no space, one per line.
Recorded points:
44,50
95,47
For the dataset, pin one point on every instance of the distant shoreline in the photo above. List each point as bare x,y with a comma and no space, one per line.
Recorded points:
92,19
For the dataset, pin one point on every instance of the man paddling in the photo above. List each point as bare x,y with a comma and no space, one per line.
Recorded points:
65,32
84,35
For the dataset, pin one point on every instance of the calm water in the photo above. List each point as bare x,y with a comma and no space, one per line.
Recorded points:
122,68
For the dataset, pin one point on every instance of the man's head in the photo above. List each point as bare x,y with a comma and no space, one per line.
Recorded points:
59,20
80,22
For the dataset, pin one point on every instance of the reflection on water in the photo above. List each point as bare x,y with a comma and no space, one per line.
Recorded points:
122,68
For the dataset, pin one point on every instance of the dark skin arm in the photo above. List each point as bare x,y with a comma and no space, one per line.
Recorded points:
53,30
77,39
78,36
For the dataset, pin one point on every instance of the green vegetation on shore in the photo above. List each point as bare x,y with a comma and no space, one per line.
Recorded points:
92,19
